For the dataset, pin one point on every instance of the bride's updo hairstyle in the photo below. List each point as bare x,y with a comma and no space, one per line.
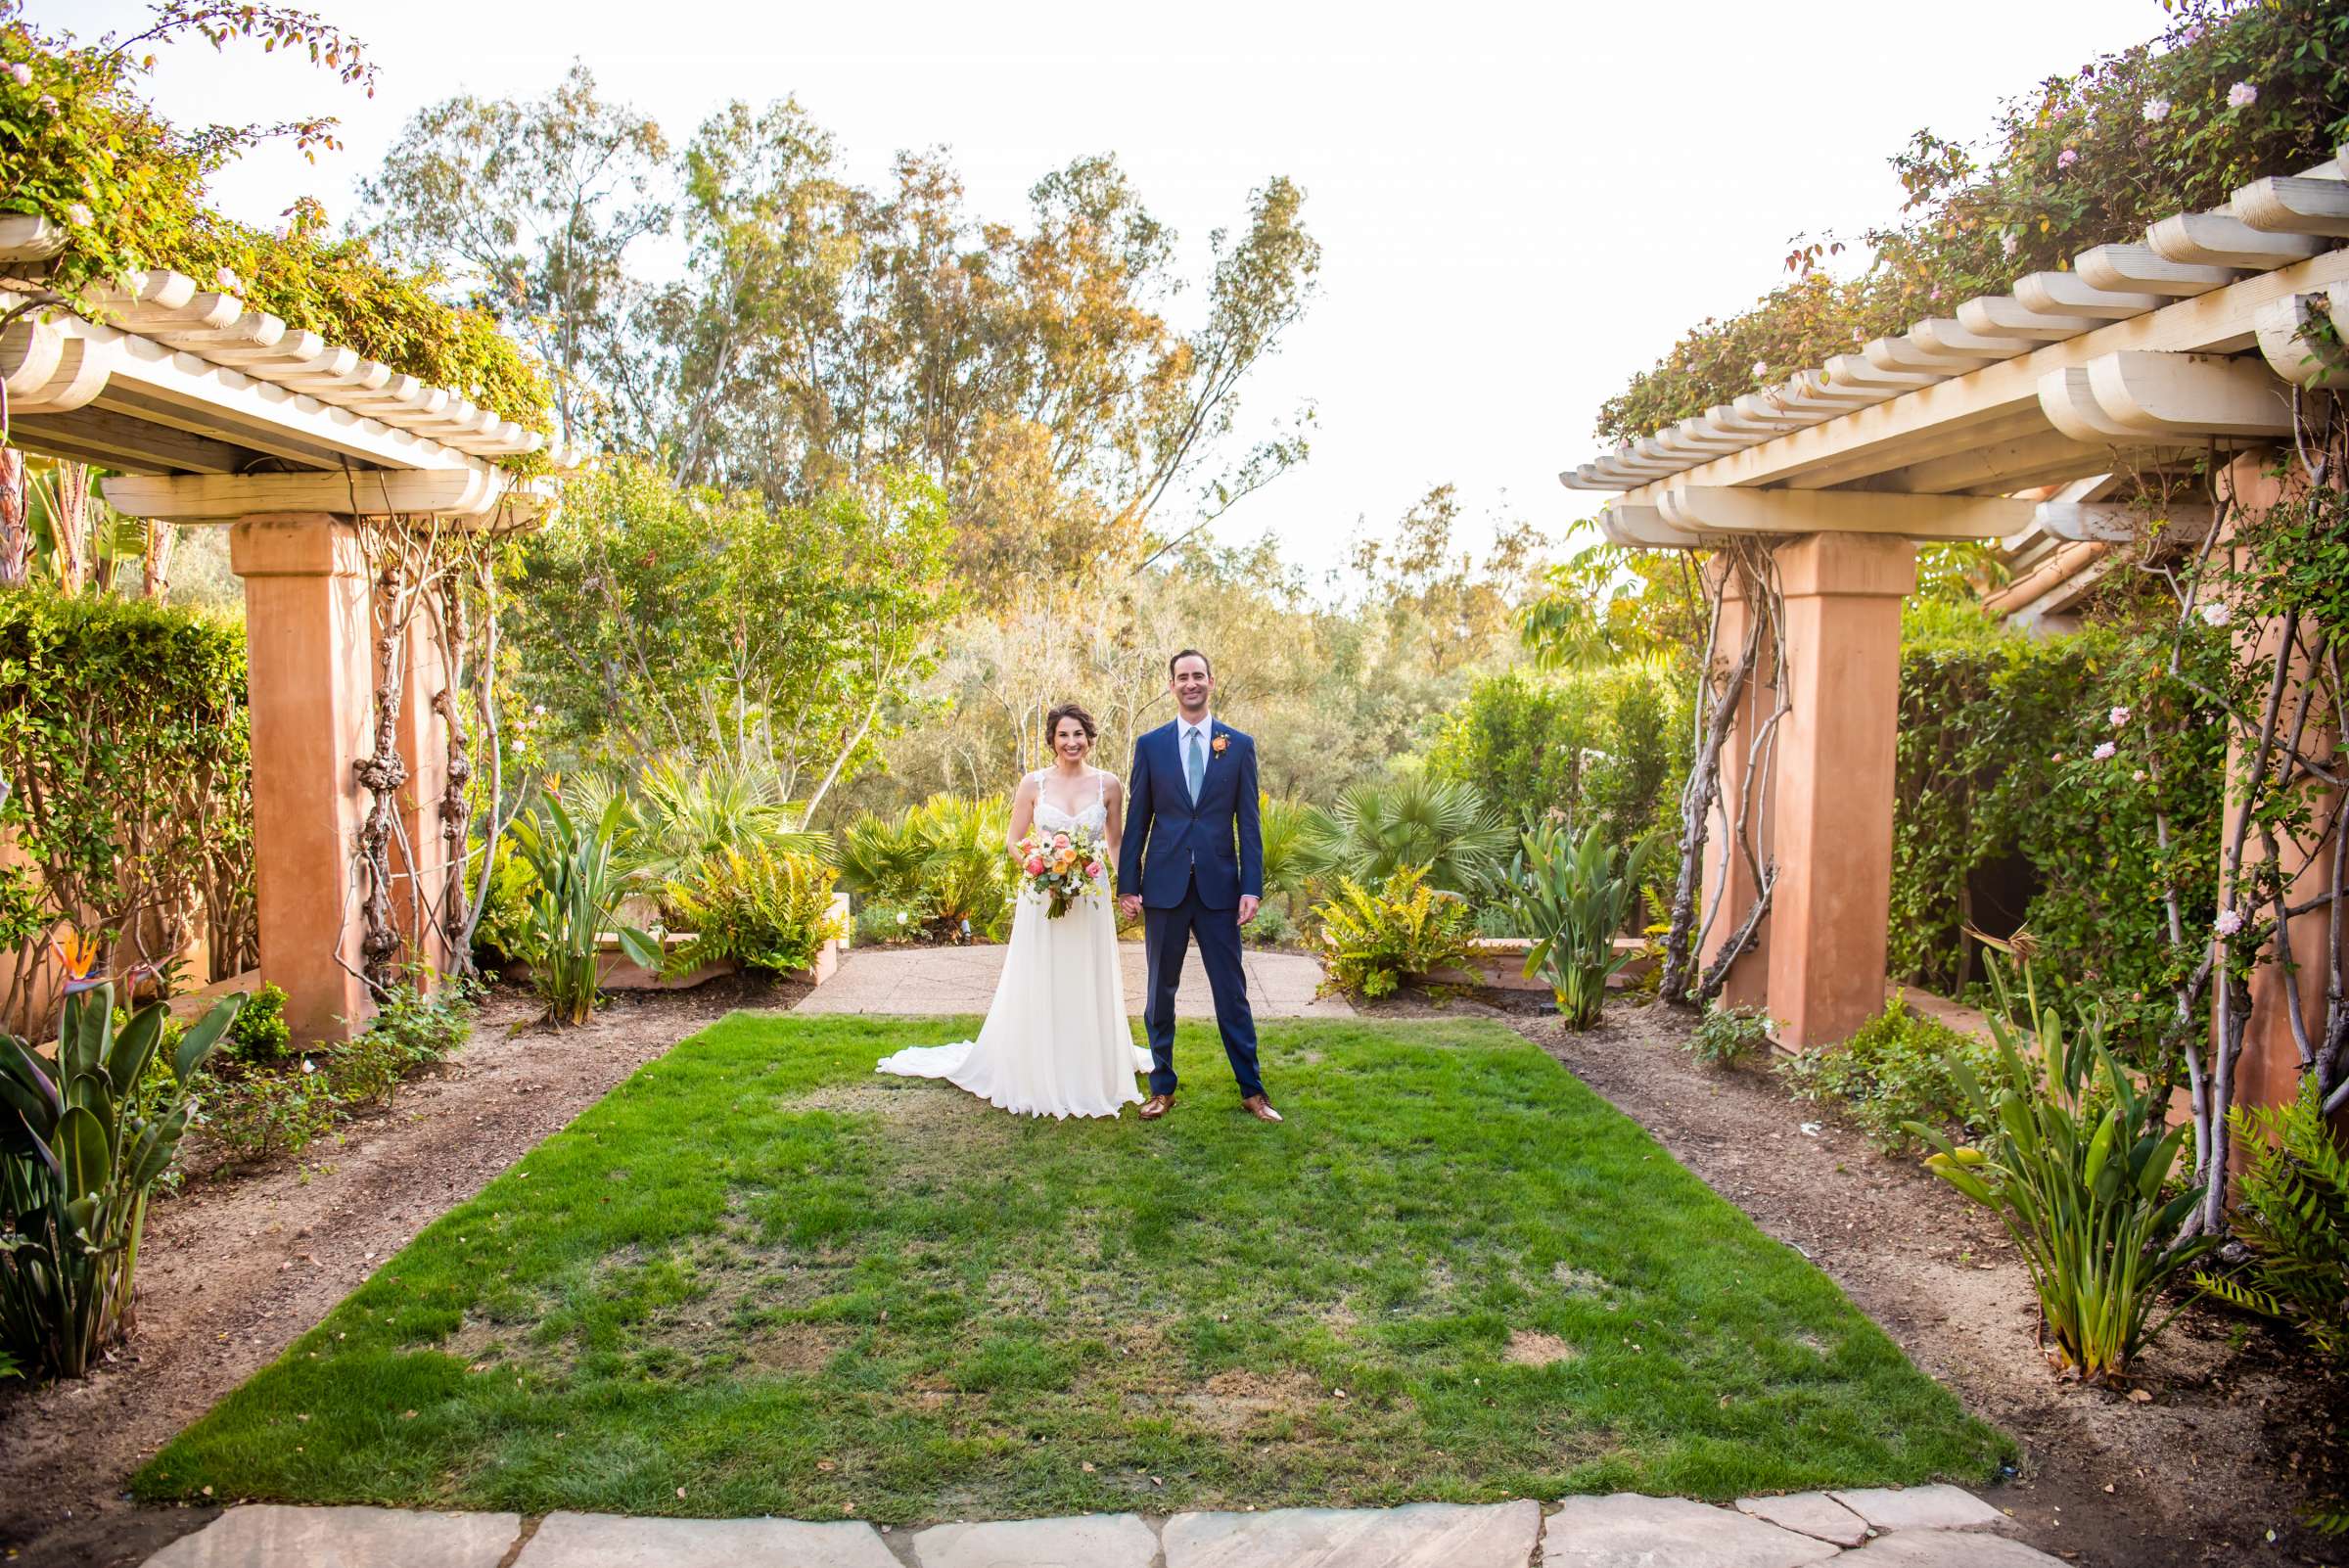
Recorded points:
1085,721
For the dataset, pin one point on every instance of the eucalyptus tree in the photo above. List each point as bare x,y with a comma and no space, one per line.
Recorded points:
530,206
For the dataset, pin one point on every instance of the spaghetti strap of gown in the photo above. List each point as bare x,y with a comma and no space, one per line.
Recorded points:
1056,1040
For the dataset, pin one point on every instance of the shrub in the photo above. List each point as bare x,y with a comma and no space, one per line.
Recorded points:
1373,942
942,860
78,1160
767,911
413,1028
576,862
271,1110
1727,1035
882,923
1899,1068
1598,745
1442,826
1272,925
122,732
2075,1161
1574,897
260,1032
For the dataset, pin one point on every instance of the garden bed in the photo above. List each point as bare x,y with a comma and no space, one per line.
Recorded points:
2199,1472
234,1268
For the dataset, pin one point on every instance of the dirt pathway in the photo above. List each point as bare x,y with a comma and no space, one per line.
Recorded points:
233,1271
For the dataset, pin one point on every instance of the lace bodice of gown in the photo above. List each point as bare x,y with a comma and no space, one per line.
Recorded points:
1094,816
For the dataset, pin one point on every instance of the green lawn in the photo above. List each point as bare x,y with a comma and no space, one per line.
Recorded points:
757,1279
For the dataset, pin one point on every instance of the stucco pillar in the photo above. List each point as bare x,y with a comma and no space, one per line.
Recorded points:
1730,885
1834,781
307,633
2269,1070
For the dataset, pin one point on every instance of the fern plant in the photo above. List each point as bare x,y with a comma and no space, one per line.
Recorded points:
1372,942
764,910
2292,1216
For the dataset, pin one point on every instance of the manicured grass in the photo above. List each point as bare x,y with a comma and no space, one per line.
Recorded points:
758,1278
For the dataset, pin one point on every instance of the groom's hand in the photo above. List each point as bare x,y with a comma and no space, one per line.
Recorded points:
1249,904
1131,905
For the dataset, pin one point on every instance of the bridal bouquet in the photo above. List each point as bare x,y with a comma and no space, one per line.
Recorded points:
1062,866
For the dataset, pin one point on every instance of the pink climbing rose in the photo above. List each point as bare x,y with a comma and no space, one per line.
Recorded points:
20,73
2217,612
2067,157
2119,717
2243,95
2157,110
2103,750
2229,922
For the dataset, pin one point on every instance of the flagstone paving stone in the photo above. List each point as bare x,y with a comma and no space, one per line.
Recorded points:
1093,1541
1628,1531
1622,1531
1812,1513
1931,1507
270,1536
610,1541
930,981
1946,1548
1423,1535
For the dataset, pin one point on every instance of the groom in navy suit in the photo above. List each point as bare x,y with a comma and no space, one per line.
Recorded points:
1192,797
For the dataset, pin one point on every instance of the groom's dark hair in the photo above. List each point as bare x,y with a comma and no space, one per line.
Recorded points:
1190,653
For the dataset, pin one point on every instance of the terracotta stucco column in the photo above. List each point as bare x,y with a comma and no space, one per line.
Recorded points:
1730,885
1834,781
307,633
2268,1073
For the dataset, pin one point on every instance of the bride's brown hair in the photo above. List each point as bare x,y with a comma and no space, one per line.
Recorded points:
1085,721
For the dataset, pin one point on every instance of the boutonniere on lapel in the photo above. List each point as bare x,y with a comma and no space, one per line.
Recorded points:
1218,745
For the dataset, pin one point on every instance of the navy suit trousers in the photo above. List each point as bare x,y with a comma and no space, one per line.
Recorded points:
1166,935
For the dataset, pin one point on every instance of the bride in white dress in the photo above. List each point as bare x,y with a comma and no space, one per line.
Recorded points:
1055,1041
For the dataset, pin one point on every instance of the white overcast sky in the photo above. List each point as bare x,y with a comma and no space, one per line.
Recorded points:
1519,206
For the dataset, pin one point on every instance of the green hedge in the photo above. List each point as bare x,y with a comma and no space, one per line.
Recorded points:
1609,745
124,746
1998,735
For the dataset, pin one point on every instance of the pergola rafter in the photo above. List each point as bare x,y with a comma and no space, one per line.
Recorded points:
2013,419
208,410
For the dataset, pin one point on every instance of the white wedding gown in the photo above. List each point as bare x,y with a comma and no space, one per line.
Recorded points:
1055,1041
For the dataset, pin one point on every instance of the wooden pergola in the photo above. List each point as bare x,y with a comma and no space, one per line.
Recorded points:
210,412
2017,418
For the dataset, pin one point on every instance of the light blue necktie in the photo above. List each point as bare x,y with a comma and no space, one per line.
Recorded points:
1194,764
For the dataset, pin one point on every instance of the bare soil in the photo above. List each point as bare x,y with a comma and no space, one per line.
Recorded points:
2200,1470
240,1264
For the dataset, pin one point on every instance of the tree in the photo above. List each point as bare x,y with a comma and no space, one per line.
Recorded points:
532,206
708,623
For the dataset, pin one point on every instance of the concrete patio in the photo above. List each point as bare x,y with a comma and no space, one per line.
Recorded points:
962,980
1917,1527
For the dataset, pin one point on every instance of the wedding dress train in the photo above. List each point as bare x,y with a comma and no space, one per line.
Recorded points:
1055,1041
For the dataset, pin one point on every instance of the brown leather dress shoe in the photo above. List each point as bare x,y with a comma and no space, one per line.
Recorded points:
1156,1106
1260,1108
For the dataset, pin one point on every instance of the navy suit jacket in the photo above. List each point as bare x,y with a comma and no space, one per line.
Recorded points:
1170,841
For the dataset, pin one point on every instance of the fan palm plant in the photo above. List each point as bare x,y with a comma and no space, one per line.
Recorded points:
1288,829
689,812
944,859
1442,825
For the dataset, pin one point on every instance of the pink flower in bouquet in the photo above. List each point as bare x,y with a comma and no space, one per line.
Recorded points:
1092,868
1060,841
1036,866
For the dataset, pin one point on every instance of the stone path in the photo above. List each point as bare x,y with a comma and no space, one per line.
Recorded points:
1919,1527
962,980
